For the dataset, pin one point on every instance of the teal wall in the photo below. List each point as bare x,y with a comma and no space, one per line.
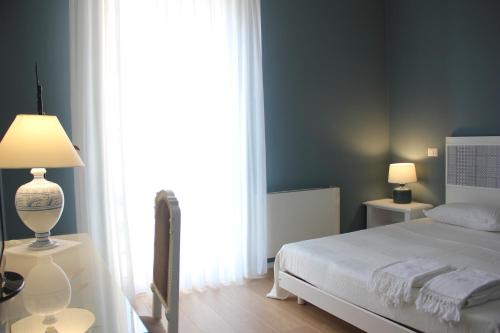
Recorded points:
33,30
324,84
350,85
443,80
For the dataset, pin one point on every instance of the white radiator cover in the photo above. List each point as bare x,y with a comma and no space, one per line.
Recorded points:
293,216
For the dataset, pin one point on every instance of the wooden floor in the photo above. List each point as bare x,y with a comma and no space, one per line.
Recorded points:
244,308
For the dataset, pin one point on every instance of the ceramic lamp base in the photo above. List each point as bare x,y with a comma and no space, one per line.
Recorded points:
401,195
39,204
42,242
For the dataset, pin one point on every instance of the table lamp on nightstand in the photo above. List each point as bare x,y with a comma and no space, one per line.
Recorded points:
402,174
38,142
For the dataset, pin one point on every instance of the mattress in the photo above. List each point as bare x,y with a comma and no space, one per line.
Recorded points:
341,265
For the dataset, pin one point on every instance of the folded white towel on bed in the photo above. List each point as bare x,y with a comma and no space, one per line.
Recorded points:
445,295
394,281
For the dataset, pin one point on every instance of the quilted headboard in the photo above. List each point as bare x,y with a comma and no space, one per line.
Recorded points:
473,169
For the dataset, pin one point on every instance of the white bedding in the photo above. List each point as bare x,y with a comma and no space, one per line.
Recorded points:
342,264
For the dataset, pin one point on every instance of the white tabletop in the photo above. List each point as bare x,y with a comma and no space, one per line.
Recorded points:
390,205
94,299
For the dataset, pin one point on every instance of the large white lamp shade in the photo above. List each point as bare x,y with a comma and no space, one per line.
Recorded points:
37,141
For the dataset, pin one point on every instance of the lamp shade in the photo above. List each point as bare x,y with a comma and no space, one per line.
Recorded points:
402,173
37,141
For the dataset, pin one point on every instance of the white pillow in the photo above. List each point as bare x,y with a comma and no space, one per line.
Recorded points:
468,215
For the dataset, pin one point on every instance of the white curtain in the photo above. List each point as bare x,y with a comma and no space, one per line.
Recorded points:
168,94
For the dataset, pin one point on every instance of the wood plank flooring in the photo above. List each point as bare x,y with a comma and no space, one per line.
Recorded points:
244,308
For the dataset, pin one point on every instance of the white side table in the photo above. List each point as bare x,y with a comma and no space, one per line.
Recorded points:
385,211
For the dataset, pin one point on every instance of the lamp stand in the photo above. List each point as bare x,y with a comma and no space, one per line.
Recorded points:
401,194
39,204
10,285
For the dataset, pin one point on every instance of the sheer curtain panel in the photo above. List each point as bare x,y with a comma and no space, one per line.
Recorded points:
99,186
168,94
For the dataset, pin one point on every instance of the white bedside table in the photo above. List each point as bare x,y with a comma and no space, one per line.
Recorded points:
385,211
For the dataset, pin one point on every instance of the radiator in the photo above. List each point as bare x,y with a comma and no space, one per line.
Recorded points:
298,215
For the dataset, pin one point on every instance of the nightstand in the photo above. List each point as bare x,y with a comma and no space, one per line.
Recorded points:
385,211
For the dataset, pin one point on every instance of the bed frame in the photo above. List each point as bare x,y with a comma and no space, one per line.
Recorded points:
472,175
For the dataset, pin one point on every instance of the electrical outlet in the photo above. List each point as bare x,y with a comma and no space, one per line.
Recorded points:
432,152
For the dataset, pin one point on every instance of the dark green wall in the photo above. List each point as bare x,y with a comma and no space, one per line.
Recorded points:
443,79
325,103
33,30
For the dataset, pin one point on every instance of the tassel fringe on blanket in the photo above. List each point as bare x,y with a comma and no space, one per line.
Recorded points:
394,282
446,309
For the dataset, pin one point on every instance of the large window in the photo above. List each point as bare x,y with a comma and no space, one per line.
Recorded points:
178,106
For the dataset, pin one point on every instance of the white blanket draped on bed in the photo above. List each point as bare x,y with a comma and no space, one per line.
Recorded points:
342,265
277,292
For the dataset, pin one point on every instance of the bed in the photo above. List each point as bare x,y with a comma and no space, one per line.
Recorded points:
332,272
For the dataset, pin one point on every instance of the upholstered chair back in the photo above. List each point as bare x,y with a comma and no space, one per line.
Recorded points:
165,284
161,268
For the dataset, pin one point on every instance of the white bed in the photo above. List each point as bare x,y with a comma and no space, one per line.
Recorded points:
332,272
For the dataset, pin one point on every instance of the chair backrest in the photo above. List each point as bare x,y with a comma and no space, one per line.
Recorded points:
166,252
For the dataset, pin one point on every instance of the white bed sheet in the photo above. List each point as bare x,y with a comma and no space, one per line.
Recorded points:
342,264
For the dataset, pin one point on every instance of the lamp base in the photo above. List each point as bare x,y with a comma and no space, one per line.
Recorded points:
43,242
39,204
10,285
401,195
